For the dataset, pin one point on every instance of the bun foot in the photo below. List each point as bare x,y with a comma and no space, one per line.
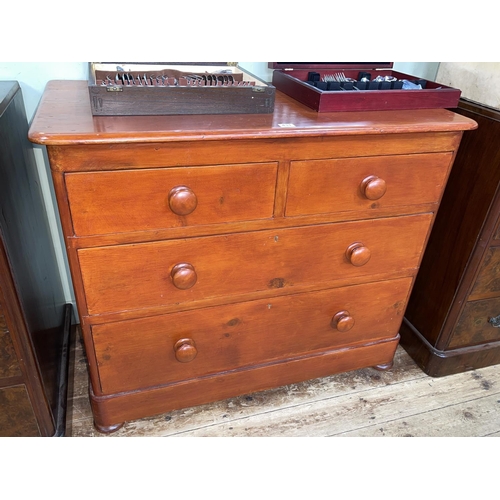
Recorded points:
386,366
108,429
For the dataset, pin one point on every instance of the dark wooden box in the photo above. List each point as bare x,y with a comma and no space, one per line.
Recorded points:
292,78
167,89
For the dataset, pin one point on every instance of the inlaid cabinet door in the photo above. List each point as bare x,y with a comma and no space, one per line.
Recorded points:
487,283
9,364
17,418
496,232
479,323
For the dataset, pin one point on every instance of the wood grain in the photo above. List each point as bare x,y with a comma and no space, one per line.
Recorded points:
17,418
487,283
362,413
9,364
474,327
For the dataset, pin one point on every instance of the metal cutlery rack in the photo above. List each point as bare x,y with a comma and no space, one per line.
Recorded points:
340,82
149,79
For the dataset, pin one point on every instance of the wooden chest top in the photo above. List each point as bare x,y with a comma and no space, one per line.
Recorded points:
64,117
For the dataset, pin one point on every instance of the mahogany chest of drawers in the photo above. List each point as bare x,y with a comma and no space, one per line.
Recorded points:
452,323
214,256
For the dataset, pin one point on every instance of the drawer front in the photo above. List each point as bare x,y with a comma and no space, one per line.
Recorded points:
477,324
157,274
9,364
138,200
17,418
496,234
350,184
487,283
186,345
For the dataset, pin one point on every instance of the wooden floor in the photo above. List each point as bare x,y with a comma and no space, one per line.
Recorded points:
401,402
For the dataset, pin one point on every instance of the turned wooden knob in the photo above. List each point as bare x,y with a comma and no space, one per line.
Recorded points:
373,187
185,350
182,200
357,254
183,276
342,321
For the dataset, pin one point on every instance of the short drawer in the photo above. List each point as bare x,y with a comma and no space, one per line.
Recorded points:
479,323
149,199
126,277
350,184
186,345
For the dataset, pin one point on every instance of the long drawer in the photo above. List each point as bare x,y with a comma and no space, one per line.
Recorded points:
126,277
350,184
139,200
185,345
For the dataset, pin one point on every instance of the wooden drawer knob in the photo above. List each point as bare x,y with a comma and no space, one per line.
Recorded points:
342,321
357,254
185,350
373,187
183,276
182,200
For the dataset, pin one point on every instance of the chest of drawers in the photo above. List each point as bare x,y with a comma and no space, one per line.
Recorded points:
214,256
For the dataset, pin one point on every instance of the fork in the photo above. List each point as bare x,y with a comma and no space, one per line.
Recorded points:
336,77
339,77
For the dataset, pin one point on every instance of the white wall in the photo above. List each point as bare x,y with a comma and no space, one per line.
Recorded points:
33,76
478,81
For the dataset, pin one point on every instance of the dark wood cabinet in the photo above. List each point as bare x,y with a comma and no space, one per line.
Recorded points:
34,319
452,323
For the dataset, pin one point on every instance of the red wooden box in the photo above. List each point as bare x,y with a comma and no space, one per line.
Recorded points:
291,79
